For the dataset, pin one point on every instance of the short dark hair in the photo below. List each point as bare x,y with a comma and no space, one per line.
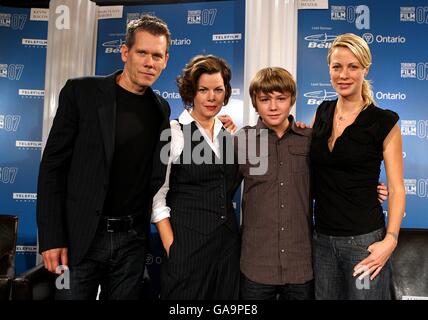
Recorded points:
188,80
151,24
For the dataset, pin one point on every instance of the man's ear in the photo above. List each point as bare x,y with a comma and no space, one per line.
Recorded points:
124,50
166,60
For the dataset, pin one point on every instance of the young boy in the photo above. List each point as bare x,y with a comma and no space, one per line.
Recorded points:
276,260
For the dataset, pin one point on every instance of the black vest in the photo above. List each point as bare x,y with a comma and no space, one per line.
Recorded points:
200,194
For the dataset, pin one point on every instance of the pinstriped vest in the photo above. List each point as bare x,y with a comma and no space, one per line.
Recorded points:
200,194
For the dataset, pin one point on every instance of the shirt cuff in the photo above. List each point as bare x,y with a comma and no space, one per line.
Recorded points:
160,214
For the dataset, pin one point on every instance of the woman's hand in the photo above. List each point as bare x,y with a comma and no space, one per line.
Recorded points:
382,192
379,254
168,246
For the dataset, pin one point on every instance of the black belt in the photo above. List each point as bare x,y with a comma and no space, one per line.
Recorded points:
121,223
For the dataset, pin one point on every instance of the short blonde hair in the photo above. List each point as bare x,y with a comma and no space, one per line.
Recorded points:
361,51
270,79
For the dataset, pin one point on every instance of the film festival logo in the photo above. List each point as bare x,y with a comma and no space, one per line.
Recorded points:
9,122
410,185
5,20
205,17
251,146
137,15
358,14
407,14
3,70
414,70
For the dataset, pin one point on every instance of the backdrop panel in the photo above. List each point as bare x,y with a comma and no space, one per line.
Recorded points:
396,32
23,34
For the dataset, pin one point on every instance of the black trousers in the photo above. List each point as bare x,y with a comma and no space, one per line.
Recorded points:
201,267
115,261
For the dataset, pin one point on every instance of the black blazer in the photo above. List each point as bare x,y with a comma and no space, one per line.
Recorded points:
75,167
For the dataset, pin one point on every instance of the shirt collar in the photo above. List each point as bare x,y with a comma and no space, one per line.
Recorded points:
186,118
291,126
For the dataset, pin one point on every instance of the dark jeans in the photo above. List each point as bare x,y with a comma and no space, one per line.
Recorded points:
115,261
334,262
251,290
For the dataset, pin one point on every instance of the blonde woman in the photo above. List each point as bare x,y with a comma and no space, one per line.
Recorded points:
351,137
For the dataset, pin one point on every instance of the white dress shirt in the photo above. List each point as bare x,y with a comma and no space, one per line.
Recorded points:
160,210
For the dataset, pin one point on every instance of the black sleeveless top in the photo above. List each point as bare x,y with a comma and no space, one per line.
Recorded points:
345,180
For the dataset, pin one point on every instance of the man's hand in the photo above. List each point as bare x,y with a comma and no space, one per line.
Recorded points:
301,125
54,257
227,123
382,192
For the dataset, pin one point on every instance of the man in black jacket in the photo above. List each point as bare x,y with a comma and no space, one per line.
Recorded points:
100,169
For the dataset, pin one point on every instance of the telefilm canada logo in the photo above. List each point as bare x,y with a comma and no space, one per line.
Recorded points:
227,37
360,15
28,145
34,43
24,197
31,93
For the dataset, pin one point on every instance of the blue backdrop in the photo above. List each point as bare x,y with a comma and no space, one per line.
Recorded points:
22,81
396,32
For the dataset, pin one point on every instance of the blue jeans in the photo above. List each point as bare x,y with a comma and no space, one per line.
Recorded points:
334,262
115,261
250,290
